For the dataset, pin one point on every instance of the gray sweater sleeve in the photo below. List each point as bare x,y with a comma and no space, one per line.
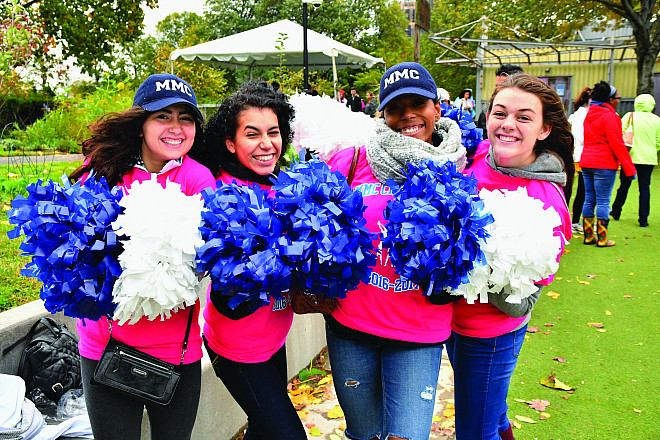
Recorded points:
515,310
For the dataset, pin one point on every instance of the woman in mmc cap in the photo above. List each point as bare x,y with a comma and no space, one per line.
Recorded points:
156,138
121,141
386,337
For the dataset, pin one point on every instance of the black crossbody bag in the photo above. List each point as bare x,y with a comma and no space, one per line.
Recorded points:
137,374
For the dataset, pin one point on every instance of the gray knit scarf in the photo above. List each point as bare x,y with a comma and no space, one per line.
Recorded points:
389,152
546,167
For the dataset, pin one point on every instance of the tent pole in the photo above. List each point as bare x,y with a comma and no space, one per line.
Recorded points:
334,72
305,54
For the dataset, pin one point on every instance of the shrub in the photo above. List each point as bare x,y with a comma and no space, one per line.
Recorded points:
66,125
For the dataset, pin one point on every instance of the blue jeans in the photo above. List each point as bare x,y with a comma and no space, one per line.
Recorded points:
482,371
598,185
260,390
644,182
384,390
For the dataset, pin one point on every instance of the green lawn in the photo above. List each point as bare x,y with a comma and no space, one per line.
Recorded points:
614,369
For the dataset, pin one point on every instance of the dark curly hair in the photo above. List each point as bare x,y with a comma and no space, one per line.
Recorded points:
115,144
560,140
224,123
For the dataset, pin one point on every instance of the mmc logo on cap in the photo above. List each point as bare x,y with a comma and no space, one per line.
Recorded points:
398,74
406,78
162,90
174,85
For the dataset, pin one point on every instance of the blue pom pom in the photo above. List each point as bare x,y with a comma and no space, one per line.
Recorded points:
471,136
68,232
435,224
329,246
243,245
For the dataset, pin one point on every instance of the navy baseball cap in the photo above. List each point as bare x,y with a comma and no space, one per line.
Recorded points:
406,78
162,90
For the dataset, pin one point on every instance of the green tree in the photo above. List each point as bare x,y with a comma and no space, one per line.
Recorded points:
183,30
90,30
644,17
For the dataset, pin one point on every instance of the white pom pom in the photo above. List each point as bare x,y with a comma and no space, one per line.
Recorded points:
326,126
522,247
158,260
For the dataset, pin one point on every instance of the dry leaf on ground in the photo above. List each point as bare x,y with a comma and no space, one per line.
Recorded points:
552,382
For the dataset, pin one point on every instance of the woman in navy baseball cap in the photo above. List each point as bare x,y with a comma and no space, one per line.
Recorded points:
155,139
385,339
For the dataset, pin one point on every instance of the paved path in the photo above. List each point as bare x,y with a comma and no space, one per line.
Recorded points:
332,428
27,160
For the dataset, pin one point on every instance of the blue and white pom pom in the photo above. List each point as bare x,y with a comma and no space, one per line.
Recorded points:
435,226
242,249
74,250
331,249
471,136
325,126
158,261
521,249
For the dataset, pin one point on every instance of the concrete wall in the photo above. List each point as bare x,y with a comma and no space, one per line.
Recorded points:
219,417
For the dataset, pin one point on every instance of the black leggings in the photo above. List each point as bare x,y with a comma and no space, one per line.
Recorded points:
260,390
117,416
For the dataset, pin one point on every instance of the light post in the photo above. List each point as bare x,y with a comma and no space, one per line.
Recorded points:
305,53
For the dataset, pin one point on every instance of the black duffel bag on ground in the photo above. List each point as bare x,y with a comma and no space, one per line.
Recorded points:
50,360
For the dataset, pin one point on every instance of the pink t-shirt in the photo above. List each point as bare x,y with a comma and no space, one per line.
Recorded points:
387,306
484,320
254,338
162,339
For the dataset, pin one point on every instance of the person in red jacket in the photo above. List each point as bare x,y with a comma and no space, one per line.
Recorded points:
603,152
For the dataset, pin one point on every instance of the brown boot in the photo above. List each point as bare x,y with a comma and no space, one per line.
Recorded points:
602,234
588,228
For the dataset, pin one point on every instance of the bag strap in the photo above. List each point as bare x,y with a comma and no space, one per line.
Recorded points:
184,347
351,172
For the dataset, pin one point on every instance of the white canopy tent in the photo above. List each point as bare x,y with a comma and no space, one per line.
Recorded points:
258,48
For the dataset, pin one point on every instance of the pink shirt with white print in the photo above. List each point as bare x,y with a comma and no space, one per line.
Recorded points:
254,338
387,306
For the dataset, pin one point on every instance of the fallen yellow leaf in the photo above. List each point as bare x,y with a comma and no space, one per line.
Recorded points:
525,419
334,437
326,379
544,415
342,426
637,410
315,432
608,313
303,414
5,222
436,418
516,424
553,295
336,413
631,273
449,411
552,382
601,330
583,282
